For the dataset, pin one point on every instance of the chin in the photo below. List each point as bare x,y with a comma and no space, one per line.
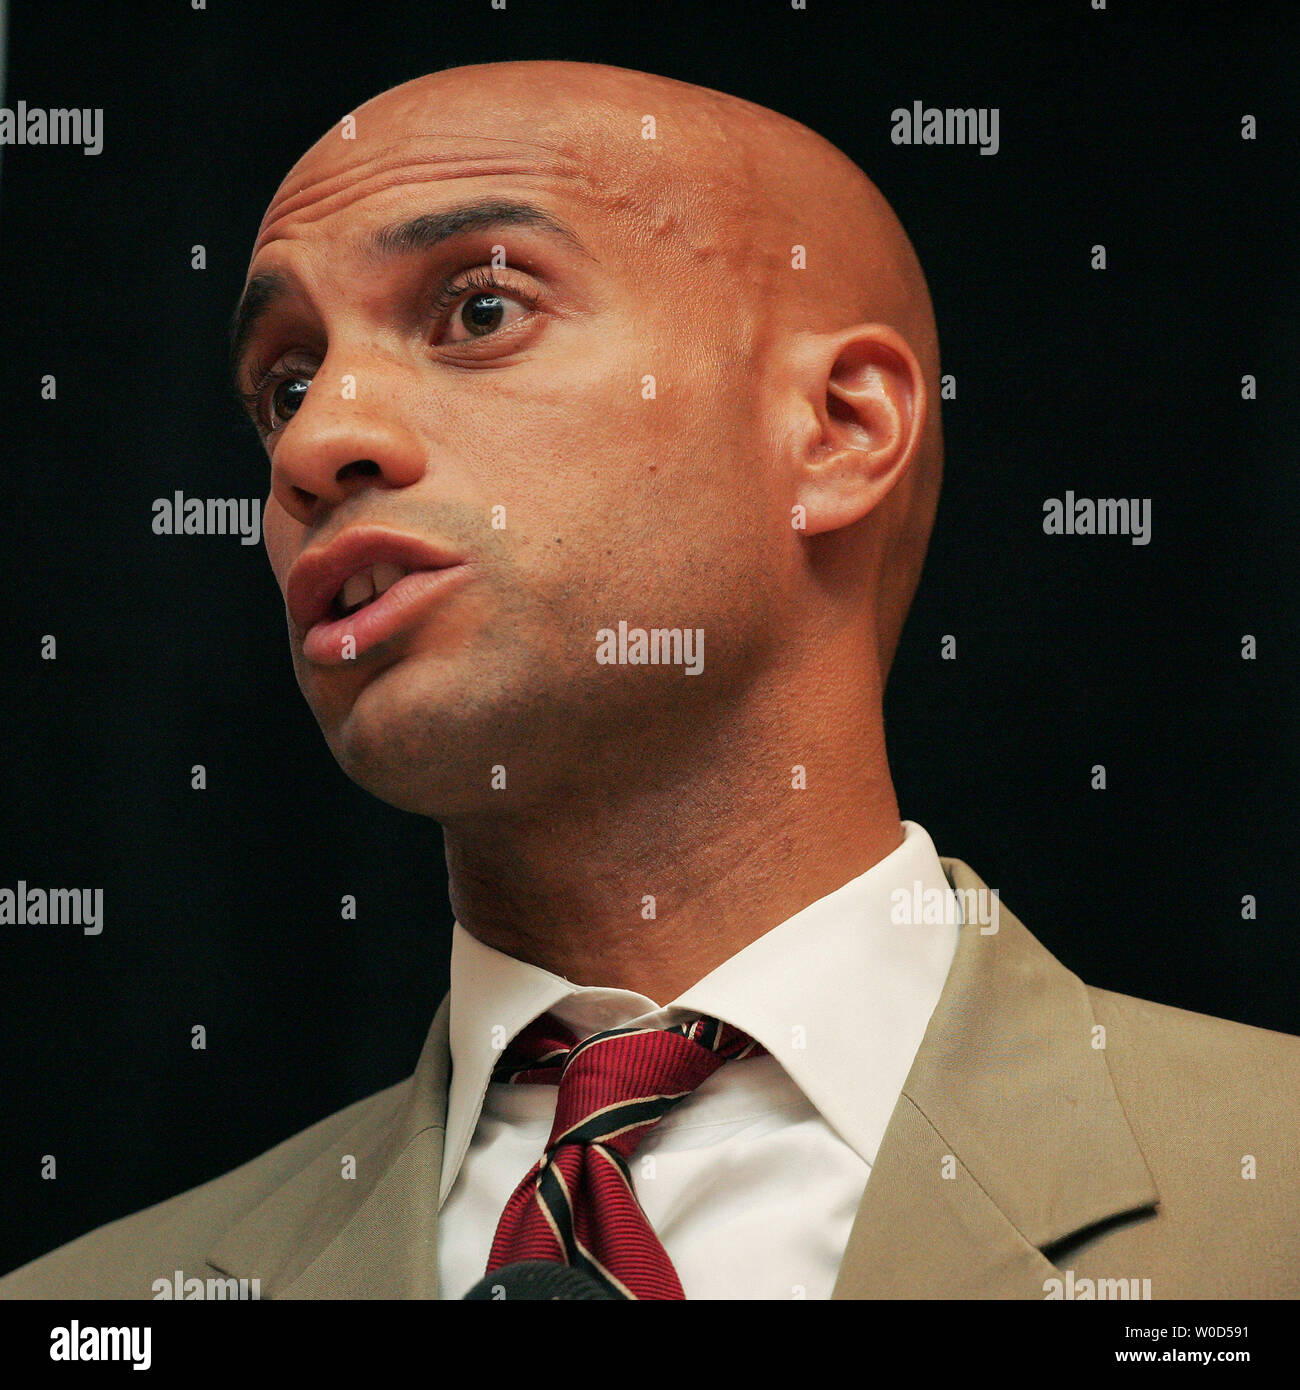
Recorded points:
393,744
415,739
426,780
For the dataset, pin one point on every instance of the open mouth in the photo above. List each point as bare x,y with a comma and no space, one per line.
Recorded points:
364,587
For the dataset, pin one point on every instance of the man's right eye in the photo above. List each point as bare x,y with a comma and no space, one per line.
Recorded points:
285,398
275,396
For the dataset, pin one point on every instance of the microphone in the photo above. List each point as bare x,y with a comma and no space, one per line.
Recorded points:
538,1280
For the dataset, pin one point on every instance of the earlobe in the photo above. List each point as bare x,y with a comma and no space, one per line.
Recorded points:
870,411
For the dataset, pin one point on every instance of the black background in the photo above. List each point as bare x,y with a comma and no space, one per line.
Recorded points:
1119,127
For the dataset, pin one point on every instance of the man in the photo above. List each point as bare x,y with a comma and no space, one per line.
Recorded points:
602,417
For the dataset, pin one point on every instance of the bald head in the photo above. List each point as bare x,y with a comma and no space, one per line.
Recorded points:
635,355
712,191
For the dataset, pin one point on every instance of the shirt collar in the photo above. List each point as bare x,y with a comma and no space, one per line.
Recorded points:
840,994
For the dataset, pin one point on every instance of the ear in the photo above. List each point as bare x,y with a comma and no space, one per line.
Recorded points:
868,404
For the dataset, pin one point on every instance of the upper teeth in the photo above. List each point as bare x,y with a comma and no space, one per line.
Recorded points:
369,583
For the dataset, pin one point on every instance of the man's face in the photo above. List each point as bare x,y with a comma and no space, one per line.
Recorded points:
548,446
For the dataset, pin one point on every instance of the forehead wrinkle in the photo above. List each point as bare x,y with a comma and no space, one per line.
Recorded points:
363,247
367,177
394,152
652,194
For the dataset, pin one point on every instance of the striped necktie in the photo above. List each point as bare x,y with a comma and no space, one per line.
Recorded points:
577,1204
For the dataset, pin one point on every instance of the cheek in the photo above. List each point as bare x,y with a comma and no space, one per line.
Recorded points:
282,535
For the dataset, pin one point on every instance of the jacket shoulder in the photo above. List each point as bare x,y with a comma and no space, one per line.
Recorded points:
1234,1068
123,1258
1215,1108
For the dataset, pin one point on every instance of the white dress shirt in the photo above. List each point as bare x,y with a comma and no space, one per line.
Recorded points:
753,1181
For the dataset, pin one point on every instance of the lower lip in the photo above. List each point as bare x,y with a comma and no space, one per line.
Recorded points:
393,610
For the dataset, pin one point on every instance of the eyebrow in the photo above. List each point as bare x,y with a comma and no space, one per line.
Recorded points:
420,233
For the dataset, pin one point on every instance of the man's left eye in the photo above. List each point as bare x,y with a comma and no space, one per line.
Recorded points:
482,313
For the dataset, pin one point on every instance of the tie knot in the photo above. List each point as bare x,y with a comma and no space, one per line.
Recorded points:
616,1085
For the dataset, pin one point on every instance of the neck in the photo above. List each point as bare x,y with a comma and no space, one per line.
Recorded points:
649,884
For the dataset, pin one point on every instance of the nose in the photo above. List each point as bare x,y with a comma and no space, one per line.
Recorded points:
343,439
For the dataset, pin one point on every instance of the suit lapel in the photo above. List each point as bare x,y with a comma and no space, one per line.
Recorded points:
1008,1137
321,1235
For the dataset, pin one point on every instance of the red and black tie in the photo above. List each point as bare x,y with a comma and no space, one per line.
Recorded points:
577,1204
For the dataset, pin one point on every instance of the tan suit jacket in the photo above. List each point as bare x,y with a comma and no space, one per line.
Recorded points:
1047,1132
